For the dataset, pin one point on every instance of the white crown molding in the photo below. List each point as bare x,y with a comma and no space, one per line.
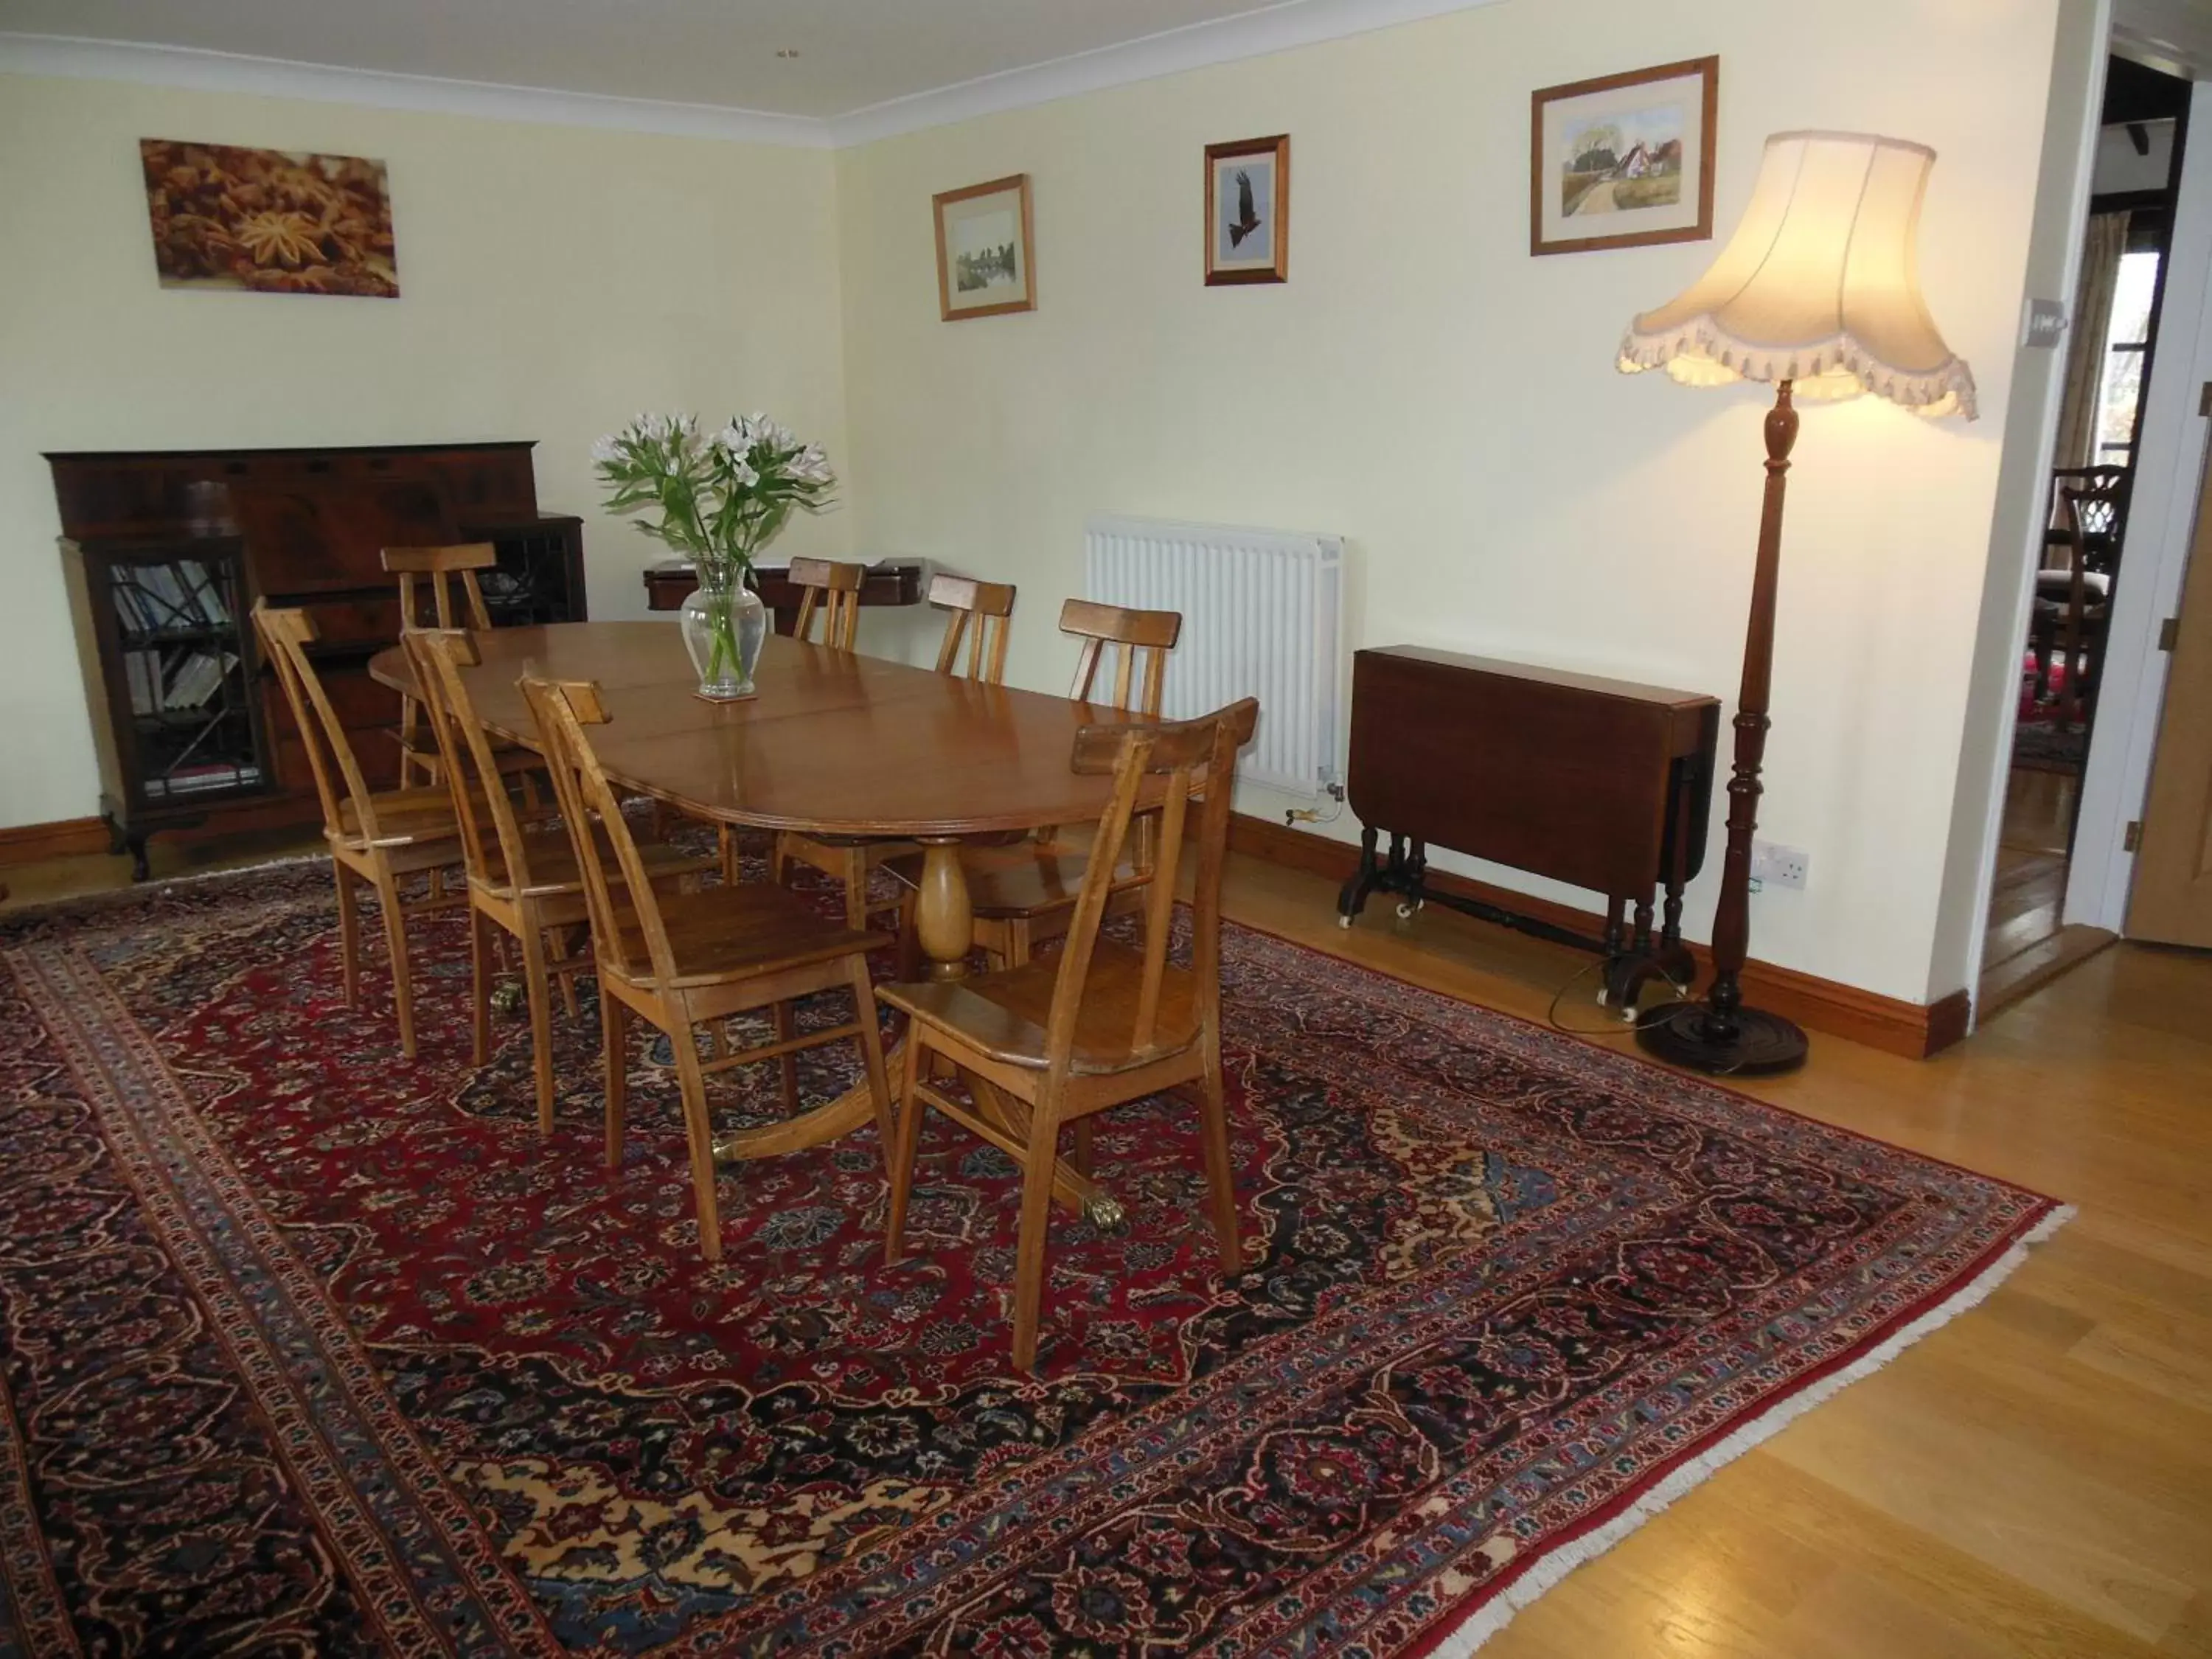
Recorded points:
323,83
1278,27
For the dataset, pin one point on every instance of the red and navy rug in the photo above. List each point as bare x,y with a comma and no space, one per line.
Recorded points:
311,1350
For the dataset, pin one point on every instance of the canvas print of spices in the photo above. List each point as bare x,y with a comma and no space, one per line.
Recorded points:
278,222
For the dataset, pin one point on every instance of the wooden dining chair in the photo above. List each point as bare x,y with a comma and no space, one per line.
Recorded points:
1022,896
722,950
375,836
979,614
522,877
445,577
1103,1023
832,592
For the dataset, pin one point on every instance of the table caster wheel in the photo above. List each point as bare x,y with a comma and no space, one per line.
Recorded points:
1408,908
1344,921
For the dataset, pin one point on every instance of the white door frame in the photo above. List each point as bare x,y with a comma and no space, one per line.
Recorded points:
2161,520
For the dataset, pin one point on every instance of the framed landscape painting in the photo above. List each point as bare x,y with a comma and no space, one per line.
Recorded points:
1625,160
1248,211
983,253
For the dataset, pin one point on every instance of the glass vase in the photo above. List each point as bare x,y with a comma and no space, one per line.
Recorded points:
724,623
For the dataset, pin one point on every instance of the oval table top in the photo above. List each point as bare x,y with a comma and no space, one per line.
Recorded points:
833,744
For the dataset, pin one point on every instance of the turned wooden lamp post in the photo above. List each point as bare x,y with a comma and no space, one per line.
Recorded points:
1819,292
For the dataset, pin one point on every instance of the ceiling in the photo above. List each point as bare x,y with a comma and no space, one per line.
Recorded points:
852,55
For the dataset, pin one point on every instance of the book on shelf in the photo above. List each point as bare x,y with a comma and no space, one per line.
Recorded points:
203,777
198,678
204,589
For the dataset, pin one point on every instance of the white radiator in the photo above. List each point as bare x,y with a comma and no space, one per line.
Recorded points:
1260,619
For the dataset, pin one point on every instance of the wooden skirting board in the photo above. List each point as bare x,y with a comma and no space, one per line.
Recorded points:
29,843
1913,1030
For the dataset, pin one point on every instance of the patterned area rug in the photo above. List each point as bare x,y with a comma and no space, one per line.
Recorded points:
310,1350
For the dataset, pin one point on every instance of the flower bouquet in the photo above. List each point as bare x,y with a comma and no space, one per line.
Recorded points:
718,500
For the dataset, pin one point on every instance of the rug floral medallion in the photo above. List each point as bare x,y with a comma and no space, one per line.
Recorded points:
311,1350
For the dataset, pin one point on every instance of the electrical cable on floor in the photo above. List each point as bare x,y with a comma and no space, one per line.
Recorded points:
1615,1025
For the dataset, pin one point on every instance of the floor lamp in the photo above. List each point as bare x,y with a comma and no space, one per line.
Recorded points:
1819,292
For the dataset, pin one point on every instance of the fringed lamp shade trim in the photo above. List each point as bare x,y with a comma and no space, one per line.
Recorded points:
1700,353
1819,286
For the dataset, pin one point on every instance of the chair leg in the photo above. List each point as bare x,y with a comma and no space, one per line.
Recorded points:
726,841
902,1149
539,989
910,967
1080,1146
856,889
779,860
787,1065
1036,1218
348,934
872,1051
1220,1176
479,987
698,1132
395,937
572,940
614,1062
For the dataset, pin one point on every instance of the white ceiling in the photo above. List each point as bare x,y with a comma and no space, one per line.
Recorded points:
854,55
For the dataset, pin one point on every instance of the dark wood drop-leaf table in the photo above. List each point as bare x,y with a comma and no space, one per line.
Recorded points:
835,743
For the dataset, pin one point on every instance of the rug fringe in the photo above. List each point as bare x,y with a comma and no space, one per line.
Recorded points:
1496,1613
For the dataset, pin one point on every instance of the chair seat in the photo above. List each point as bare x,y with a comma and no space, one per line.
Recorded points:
2059,584
551,857
739,932
404,817
1019,882
1003,1014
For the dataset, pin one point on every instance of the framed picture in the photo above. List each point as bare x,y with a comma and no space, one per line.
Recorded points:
276,221
1248,211
1623,162
983,250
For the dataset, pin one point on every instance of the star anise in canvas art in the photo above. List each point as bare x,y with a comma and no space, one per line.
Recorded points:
269,219
280,238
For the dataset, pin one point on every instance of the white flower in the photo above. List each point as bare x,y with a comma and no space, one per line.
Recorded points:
742,473
734,438
607,449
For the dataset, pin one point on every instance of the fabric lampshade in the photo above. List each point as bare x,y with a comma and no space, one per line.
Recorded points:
1819,285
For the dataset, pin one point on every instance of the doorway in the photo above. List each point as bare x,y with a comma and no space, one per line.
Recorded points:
2113,339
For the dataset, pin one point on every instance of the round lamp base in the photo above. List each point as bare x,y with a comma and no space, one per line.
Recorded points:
1762,1045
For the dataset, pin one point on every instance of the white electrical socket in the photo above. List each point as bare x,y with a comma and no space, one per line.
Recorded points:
1775,866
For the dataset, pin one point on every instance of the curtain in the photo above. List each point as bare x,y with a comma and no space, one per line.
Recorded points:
2085,339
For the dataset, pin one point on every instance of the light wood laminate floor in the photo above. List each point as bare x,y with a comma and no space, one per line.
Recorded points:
2034,1478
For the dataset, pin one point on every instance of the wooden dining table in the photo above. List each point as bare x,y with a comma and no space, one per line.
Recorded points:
832,743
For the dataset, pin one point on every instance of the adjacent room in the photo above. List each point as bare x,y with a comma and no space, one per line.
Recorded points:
1349,828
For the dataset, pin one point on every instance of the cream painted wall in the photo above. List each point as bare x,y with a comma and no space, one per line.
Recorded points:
1424,387
555,280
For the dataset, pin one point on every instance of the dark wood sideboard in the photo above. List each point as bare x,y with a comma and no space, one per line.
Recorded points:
894,581
1600,783
165,553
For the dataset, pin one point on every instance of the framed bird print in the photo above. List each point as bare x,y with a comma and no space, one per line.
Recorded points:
1625,160
983,251
1248,211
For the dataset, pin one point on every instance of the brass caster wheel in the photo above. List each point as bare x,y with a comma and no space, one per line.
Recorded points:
506,996
1104,1212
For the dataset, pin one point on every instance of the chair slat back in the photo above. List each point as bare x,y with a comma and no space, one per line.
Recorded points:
471,771
286,633
1192,756
433,572
562,709
832,591
2096,515
1144,638
981,616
